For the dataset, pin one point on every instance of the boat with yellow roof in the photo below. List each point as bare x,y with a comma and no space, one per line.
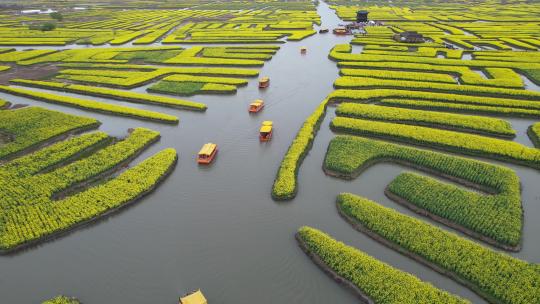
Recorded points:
207,153
256,106
266,130
194,297
264,82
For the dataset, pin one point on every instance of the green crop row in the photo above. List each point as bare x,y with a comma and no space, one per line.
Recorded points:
403,75
501,77
114,94
378,281
156,56
534,75
496,216
40,204
375,94
206,79
338,55
91,105
218,88
469,144
213,61
496,276
62,300
363,82
29,127
456,107
53,155
208,71
128,78
286,184
188,88
224,53
124,79
466,123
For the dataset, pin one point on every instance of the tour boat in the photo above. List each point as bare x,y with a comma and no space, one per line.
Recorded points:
264,82
303,50
340,31
207,153
265,133
194,297
256,106
323,30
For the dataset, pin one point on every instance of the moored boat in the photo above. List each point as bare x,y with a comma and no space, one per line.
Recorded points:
194,297
256,106
303,50
266,130
207,154
323,30
264,82
341,31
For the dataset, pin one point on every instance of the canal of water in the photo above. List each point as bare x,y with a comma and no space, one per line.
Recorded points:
216,228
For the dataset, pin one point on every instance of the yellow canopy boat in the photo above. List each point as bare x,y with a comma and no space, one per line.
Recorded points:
266,130
195,297
256,106
207,153
264,82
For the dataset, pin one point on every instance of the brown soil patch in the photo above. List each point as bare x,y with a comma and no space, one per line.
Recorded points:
35,72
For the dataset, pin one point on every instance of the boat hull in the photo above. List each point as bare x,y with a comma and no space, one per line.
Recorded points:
266,138
207,160
255,110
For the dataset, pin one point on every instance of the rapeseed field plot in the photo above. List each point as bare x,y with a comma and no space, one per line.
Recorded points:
38,195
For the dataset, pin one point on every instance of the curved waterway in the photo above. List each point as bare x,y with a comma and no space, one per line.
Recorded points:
216,228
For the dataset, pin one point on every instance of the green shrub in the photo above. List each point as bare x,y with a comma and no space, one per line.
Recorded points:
57,16
48,26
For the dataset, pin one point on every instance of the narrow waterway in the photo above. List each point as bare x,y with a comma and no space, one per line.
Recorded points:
216,228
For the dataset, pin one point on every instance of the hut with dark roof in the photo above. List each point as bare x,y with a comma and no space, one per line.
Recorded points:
362,16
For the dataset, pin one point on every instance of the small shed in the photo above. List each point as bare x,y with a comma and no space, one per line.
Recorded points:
410,37
362,16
